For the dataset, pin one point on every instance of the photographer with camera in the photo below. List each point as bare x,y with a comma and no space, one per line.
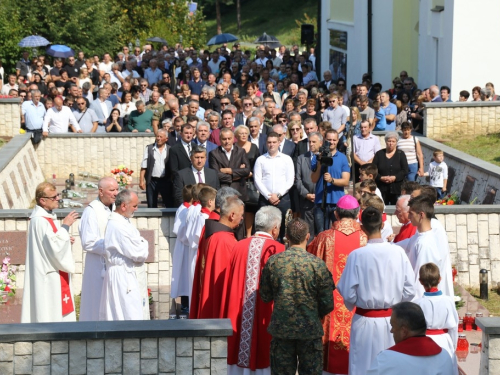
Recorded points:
331,174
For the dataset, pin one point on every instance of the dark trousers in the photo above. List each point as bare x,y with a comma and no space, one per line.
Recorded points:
284,205
324,220
287,354
161,186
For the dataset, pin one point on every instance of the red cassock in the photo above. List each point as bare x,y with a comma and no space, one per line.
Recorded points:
250,344
214,254
334,246
406,231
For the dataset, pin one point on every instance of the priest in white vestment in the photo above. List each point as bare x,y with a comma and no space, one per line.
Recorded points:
375,278
414,353
122,297
47,295
92,226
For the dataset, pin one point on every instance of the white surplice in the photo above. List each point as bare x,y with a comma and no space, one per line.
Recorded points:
386,230
92,226
376,276
193,232
440,313
390,362
446,284
47,253
177,289
125,248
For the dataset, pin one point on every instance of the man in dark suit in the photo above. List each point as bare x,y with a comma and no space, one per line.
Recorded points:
202,133
302,146
194,174
325,84
303,183
180,152
231,163
155,177
227,121
256,137
285,147
175,135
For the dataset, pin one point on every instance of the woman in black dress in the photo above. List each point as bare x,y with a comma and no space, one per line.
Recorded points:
114,123
251,205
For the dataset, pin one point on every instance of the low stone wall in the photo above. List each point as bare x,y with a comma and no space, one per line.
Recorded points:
490,352
144,347
468,118
20,173
62,154
10,117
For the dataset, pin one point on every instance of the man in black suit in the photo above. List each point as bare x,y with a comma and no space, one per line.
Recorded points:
302,146
231,163
256,137
285,147
180,152
175,135
325,84
194,174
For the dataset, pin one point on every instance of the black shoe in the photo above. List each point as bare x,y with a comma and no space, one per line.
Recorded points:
185,310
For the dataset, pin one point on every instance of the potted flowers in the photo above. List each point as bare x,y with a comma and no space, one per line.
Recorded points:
7,280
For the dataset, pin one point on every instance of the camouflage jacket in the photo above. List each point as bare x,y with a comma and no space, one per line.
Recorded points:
301,287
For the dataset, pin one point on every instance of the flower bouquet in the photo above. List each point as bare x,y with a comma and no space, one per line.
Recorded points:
449,200
123,175
7,280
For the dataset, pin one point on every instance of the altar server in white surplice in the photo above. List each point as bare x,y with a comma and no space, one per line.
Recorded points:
122,297
375,278
440,312
47,295
206,197
92,227
427,245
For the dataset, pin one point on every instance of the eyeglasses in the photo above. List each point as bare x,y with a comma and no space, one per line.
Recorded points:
295,129
332,101
54,197
82,103
282,121
280,135
144,85
247,104
224,103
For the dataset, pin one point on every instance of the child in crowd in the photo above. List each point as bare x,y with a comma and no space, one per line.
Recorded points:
438,173
380,121
369,171
371,200
439,310
357,191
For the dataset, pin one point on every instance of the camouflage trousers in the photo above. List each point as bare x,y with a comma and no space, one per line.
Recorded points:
288,356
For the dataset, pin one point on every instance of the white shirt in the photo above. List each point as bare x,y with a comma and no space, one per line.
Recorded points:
228,153
134,74
106,68
104,108
187,147
274,175
159,165
195,173
255,141
57,121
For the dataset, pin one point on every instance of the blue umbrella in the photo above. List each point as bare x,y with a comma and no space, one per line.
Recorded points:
59,50
33,41
222,38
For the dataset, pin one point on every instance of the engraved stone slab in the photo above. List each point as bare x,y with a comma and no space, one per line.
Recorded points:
149,235
13,245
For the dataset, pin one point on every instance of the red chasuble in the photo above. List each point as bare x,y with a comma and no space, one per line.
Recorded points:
214,254
333,246
405,232
250,344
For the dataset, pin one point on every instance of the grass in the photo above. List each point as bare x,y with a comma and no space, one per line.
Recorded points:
493,303
2,142
276,18
484,147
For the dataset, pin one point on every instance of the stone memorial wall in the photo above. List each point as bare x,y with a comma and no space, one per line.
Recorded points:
10,117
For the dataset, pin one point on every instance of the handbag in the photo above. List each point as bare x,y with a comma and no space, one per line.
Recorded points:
253,194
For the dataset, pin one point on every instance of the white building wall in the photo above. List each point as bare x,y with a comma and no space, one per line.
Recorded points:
382,43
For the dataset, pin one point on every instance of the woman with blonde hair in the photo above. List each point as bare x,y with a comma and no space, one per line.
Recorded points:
294,132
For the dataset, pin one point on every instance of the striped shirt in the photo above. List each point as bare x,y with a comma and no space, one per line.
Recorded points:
408,147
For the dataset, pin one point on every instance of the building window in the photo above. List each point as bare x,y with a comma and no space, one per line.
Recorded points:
338,54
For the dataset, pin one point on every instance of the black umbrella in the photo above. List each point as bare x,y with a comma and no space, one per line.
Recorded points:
221,39
157,39
268,40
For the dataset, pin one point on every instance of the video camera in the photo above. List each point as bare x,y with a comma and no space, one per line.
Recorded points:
324,157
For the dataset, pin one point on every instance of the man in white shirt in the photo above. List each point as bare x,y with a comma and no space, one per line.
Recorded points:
58,118
274,175
365,146
129,70
105,65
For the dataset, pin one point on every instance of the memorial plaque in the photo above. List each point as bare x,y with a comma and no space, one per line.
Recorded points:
13,245
149,235
467,189
491,193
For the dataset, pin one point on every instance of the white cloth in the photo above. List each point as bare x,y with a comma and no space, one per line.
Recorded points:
440,313
195,224
127,108
92,227
386,230
427,247
390,362
376,276
181,246
47,253
274,175
125,248
58,121
237,370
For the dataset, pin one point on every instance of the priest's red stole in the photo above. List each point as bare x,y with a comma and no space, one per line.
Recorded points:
66,299
334,246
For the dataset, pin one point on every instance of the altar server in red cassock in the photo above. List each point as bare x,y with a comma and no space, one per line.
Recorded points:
214,256
249,346
333,246
402,213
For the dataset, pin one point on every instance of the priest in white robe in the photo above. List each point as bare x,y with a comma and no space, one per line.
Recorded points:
92,226
48,296
375,278
122,297
414,353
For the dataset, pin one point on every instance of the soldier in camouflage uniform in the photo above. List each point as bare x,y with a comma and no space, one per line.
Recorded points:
301,287
157,108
